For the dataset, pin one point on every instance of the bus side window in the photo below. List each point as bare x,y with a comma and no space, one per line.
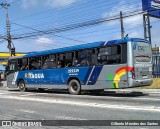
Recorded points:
44,62
69,59
12,66
85,57
102,56
91,57
53,61
34,63
38,62
109,55
24,64
48,62
19,64
77,60
124,53
60,60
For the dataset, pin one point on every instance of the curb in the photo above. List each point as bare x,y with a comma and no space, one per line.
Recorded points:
149,91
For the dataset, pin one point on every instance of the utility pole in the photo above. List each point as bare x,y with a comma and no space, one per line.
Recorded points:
147,27
122,27
5,5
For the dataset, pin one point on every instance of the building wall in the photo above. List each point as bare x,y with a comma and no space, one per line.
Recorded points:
2,67
4,56
156,51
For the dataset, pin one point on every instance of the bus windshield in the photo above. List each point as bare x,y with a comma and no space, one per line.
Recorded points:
142,52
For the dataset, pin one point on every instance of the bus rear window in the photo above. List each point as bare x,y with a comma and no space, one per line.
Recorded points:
141,52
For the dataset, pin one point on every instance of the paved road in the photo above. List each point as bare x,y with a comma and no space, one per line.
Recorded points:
58,105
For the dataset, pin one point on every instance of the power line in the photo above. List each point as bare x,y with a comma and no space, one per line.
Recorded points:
128,28
71,10
55,19
70,27
15,1
75,26
74,17
47,33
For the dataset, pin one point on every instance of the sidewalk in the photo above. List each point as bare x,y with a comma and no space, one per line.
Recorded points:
147,91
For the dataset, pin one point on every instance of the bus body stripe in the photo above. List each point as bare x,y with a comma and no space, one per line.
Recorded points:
15,78
105,43
90,75
95,75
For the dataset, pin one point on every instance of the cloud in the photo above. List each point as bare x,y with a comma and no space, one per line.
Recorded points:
29,3
49,3
124,7
58,3
44,41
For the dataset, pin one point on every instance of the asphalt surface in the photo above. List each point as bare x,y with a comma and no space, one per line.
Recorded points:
60,105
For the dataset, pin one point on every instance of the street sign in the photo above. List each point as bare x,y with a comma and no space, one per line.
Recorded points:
152,7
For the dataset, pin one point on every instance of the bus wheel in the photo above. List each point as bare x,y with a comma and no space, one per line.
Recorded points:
21,86
74,87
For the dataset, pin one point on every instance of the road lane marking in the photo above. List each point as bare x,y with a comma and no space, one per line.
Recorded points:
10,92
97,97
2,93
34,94
28,94
152,99
26,111
75,103
22,93
69,118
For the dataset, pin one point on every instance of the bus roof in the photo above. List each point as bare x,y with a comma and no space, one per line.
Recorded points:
85,46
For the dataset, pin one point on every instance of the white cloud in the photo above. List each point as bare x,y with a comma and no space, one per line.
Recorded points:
58,3
124,7
44,41
138,33
134,20
29,3
49,3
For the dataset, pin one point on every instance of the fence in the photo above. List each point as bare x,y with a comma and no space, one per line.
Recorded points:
156,66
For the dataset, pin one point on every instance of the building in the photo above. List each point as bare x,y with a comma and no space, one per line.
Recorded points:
156,51
4,56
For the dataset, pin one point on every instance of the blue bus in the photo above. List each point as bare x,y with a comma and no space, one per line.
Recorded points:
122,63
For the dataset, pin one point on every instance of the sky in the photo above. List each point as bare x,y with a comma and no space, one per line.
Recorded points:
28,16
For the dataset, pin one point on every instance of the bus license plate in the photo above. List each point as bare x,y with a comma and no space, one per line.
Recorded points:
144,76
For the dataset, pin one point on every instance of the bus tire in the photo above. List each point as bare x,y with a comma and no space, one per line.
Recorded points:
21,86
74,87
